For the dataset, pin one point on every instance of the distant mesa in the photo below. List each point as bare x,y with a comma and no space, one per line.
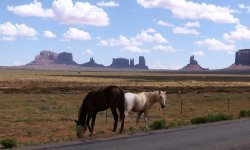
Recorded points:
91,63
51,59
126,63
46,58
242,60
193,66
65,58
242,57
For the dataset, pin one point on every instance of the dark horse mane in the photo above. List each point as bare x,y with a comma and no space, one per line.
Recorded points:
110,97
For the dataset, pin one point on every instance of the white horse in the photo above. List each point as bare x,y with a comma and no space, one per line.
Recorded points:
142,102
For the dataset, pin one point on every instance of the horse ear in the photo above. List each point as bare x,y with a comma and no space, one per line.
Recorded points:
76,121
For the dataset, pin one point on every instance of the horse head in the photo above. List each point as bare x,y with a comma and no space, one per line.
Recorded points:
162,99
80,130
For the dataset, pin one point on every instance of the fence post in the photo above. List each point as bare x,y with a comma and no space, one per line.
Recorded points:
228,104
181,102
181,106
106,116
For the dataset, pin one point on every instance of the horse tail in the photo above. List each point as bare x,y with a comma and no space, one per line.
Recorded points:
122,104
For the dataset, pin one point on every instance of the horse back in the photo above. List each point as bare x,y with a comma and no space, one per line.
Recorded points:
113,95
95,101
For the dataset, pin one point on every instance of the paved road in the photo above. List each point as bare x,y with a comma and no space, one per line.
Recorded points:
223,135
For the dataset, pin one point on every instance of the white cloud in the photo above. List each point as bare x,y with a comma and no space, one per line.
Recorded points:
185,30
157,65
164,48
216,45
88,52
191,10
163,23
8,38
145,36
121,41
107,4
175,67
49,34
10,31
80,13
32,9
18,63
135,49
199,53
241,33
192,24
244,7
76,34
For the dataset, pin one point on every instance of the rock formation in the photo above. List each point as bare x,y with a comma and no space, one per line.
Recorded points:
193,66
242,57
65,58
125,63
242,60
120,63
142,63
193,61
91,63
132,63
47,58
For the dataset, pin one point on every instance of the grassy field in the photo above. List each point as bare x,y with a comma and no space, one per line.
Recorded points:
37,107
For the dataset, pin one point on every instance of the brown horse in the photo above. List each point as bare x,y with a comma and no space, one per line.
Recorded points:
110,97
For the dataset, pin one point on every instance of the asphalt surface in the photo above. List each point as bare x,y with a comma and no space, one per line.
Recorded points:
222,135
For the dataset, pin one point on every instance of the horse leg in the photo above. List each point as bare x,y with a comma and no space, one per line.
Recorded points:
115,115
93,121
87,122
146,118
138,117
122,117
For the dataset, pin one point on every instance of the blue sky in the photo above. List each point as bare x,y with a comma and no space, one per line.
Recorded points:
166,32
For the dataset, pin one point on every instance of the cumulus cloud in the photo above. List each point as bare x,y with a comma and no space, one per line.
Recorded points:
199,53
216,45
65,11
76,34
241,33
185,30
33,9
49,34
163,23
192,24
8,38
145,36
107,4
88,52
10,31
192,10
168,49
135,49
245,7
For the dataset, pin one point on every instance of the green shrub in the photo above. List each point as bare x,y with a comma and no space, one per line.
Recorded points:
8,143
244,113
210,118
159,124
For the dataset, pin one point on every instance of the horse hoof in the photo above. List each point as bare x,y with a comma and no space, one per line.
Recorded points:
91,134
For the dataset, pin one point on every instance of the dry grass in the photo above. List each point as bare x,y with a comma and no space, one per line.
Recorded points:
35,106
